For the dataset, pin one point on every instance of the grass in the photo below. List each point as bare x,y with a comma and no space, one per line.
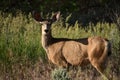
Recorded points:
22,56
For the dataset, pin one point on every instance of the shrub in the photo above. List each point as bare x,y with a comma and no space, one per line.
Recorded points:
60,74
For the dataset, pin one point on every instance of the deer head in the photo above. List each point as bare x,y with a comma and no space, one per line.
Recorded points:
46,23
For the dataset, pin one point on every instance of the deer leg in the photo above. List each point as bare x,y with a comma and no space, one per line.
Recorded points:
100,68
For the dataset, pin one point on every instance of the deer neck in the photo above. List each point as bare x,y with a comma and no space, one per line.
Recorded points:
46,40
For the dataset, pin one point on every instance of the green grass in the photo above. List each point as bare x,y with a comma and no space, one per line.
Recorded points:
21,53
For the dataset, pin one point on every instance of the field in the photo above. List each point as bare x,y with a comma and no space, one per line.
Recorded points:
23,58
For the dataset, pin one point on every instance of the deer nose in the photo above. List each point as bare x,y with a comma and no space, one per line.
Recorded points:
46,30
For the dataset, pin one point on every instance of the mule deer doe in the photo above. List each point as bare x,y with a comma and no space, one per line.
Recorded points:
63,51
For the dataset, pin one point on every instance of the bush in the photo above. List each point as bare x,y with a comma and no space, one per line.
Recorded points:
60,74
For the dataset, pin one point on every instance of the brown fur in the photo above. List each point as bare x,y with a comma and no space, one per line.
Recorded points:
97,52
62,52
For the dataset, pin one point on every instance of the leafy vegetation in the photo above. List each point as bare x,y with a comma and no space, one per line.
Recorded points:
48,5
60,74
22,56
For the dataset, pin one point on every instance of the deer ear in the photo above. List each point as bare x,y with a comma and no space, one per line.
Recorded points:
56,16
37,16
